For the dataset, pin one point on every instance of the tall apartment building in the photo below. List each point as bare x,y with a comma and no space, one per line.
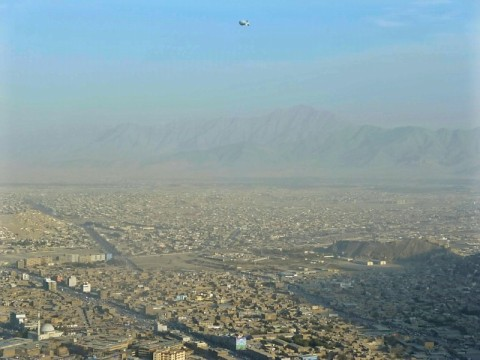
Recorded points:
49,284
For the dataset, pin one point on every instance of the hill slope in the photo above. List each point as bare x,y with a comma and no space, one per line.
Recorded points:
393,250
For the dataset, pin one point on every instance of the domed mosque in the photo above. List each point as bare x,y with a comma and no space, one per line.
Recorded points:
44,332
47,328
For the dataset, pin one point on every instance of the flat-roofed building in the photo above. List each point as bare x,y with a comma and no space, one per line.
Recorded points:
86,287
49,284
72,281
170,354
8,346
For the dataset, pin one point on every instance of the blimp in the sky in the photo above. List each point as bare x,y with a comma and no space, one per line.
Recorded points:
244,23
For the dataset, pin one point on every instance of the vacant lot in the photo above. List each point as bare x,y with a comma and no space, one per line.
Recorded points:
177,261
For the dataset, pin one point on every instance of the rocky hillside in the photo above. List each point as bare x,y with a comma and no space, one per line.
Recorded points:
300,141
394,250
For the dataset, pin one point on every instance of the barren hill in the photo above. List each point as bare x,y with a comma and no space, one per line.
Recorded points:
394,250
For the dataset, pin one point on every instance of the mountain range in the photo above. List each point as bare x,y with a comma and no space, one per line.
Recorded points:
295,142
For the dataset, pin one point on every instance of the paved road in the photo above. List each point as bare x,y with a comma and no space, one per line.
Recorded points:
89,228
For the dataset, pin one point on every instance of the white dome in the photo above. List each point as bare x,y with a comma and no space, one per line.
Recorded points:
47,328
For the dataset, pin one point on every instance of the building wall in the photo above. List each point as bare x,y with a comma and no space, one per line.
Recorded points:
169,355
72,281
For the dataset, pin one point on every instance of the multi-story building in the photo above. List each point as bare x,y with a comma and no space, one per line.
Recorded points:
72,281
169,354
17,319
34,261
49,284
86,287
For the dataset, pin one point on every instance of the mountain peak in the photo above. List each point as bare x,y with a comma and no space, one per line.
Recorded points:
299,140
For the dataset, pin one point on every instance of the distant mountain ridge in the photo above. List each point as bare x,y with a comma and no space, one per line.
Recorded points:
299,141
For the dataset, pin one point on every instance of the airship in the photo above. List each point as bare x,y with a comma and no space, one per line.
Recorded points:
244,23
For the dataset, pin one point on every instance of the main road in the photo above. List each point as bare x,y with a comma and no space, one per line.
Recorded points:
89,227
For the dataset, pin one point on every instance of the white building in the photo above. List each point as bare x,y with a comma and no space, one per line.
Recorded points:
86,287
45,332
161,328
17,319
72,281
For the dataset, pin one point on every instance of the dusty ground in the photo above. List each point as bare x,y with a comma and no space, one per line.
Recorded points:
176,261
195,261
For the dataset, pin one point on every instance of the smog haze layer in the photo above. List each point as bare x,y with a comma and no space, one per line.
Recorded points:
107,91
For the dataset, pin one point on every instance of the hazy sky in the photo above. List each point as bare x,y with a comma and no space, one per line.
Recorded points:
378,61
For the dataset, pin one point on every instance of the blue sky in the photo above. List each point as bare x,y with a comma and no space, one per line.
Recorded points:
388,62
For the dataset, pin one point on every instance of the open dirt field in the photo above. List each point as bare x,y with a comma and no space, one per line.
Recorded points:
177,261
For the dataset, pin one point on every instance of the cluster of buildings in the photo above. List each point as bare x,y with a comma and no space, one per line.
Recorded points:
240,220
32,262
269,310
168,220
225,310
434,300
32,231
